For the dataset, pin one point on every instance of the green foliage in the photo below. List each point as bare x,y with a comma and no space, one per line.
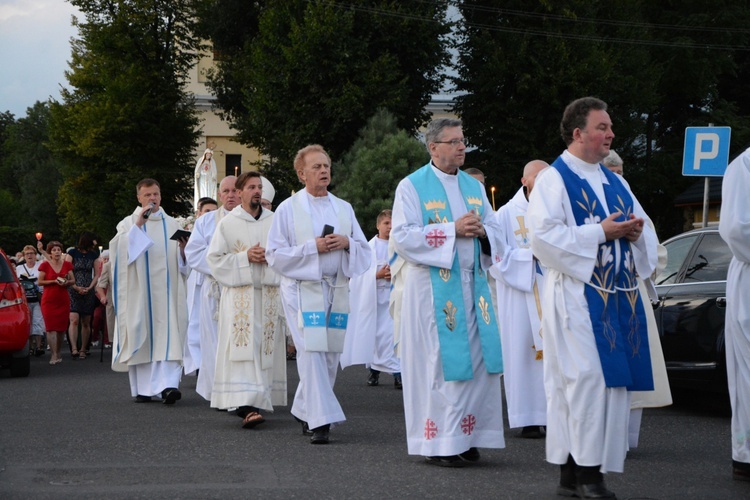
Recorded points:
31,177
661,66
369,173
127,116
316,70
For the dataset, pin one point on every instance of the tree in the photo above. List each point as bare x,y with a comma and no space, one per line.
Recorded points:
661,66
316,70
36,172
520,63
369,173
127,116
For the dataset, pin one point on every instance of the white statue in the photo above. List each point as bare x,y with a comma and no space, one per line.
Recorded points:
205,178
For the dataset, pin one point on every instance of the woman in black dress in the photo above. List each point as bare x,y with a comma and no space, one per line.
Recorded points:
84,258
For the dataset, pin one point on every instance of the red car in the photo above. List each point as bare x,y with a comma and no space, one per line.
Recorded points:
15,322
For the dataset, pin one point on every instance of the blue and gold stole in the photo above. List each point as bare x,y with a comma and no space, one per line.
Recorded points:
615,308
447,289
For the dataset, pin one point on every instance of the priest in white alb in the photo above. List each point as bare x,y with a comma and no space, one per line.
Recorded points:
251,352
192,352
734,228
451,361
150,300
210,290
316,245
589,231
519,279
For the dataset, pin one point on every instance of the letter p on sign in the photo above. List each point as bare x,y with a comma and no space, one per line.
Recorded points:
702,140
706,152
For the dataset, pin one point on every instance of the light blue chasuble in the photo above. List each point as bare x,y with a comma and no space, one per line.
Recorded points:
615,308
447,289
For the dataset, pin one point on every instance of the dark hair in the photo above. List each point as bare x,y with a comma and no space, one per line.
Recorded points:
52,244
206,200
576,115
244,177
146,183
86,241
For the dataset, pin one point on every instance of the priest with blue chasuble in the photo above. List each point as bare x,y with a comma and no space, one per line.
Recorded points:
451,360
588,229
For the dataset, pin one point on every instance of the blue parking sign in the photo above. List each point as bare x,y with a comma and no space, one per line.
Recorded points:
706,151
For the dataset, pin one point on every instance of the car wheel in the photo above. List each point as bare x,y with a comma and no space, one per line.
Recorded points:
20,367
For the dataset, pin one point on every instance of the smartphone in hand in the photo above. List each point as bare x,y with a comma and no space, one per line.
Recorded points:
327,229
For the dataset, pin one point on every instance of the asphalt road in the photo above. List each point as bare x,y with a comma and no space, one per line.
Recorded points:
73,431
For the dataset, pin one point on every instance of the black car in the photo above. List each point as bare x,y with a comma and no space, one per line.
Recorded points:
691,309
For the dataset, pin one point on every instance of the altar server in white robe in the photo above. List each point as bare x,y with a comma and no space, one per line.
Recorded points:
588,230
316,245
734,228
661,395
210,291
251,355
150,298
519,279
369,338
450,350
191,359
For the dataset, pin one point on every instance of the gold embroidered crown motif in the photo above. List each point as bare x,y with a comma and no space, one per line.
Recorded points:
434,205
473,200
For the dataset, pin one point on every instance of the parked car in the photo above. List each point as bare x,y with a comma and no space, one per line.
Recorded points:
15,322
691,310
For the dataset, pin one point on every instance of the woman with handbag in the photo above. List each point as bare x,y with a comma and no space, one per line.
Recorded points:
55,275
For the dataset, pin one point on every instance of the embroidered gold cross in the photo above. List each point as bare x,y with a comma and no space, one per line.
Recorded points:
522,230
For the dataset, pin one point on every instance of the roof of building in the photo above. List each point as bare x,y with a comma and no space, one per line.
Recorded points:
694,194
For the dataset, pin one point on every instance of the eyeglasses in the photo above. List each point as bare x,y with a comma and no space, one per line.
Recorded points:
453,142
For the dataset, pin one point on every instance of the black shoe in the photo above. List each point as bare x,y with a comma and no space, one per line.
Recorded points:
171,395
242,411
397,382
39,352
374,378
532,432
594,490
305,428
143,399
450,461
320,434
470,455
740,474
567,490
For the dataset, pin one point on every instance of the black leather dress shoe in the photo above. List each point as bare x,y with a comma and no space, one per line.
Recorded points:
397,382
449,461
594,490
740,474
470,455
305,428
170,395
143,399
320,434
374,378
567,490
532,432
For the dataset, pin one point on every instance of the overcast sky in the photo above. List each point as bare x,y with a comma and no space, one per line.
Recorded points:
34,47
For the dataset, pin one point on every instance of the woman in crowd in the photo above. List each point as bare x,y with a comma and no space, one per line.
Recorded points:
101,321
55,275
29,271
86,268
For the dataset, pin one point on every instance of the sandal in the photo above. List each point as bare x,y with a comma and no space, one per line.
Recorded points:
82,355
252,419
75,354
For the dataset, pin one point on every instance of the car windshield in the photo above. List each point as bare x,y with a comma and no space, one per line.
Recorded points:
710,261
677,251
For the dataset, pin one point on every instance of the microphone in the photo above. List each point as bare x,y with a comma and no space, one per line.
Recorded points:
147,212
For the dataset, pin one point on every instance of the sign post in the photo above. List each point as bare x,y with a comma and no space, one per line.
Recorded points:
706,154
